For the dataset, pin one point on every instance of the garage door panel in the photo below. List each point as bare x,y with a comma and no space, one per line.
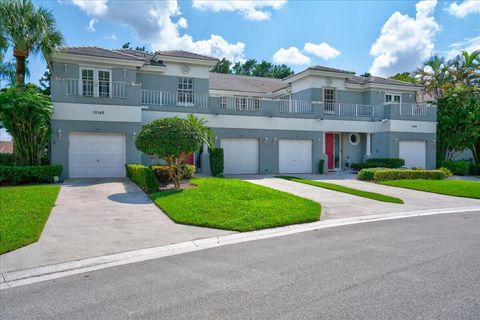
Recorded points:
240,155
413,152
295,156
96,155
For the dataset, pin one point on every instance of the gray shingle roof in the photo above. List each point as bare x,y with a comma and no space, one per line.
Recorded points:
230,82
380,80
100,52
130,54
328,69
184,54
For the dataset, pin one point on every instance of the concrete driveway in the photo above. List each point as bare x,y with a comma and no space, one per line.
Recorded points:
341,205
95,217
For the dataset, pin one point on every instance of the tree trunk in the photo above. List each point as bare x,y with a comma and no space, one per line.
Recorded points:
476,152
20,57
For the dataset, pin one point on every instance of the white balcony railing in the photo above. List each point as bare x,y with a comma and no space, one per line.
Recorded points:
295,106
240,103
348,109
412,109
97,89
173,99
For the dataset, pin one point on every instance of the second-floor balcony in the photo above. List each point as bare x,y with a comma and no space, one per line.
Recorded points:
174,99
98,89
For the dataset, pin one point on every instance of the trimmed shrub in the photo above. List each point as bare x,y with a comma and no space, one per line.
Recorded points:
447,172
216,162
143,176
188,171
321,164
162,172
6,159
459,168
407,174
15,175
385,162
378,163
367,174
474,169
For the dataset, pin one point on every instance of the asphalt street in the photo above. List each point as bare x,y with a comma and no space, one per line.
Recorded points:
414,268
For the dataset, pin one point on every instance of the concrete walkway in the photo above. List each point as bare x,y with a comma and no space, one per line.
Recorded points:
341,205
99,217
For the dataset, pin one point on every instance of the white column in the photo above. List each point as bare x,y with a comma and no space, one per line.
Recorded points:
368,145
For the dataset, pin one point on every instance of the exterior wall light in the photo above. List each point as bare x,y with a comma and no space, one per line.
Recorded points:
134,135
274,139
319,140
434,141
59,134
395,140
265,140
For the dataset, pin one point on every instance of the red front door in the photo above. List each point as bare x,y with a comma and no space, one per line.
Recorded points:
329,149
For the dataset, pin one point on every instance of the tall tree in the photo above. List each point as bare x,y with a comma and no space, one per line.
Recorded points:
404,76
222,66
27,30
244,69
467,68
366,75
435,76
281,71
45,82
8,71
126,45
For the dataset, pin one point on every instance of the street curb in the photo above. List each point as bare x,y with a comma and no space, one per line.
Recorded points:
28,276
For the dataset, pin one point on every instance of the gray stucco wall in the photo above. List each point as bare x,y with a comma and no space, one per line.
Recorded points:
59,146
353,153
169,83
268,152
385,146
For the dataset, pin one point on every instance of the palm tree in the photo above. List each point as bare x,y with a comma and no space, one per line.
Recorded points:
467,67
207,134
27,30
8,72
435,76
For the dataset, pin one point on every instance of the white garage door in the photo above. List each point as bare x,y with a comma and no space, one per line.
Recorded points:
413,152
96,155
295,156
240,155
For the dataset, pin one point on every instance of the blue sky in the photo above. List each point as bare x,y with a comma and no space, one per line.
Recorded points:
383,37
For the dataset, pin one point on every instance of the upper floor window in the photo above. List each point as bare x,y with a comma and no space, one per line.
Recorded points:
95,82
223,102
185,91
393,98
329,95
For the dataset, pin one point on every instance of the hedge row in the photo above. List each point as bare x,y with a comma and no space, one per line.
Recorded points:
379,163
216,162
143,176
163,176
459,168
383,174
15,175
6,159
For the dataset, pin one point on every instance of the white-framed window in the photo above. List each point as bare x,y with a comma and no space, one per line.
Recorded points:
256,103
240,103
223,102
354,138
95,82
185,91
393,98
329,95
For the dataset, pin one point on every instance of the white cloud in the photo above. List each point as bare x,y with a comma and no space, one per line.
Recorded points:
158,23
290,56
468,44
92,7
250,10
112,37
322,50
91,25
405,42
465,8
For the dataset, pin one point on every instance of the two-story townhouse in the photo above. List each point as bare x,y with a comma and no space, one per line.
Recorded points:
103,97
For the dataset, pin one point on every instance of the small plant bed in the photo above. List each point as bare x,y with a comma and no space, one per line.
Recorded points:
457,188
23,213
339,188
233,204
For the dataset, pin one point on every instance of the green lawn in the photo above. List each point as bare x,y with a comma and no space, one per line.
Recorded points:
339,188
23,213
233,204
458,188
